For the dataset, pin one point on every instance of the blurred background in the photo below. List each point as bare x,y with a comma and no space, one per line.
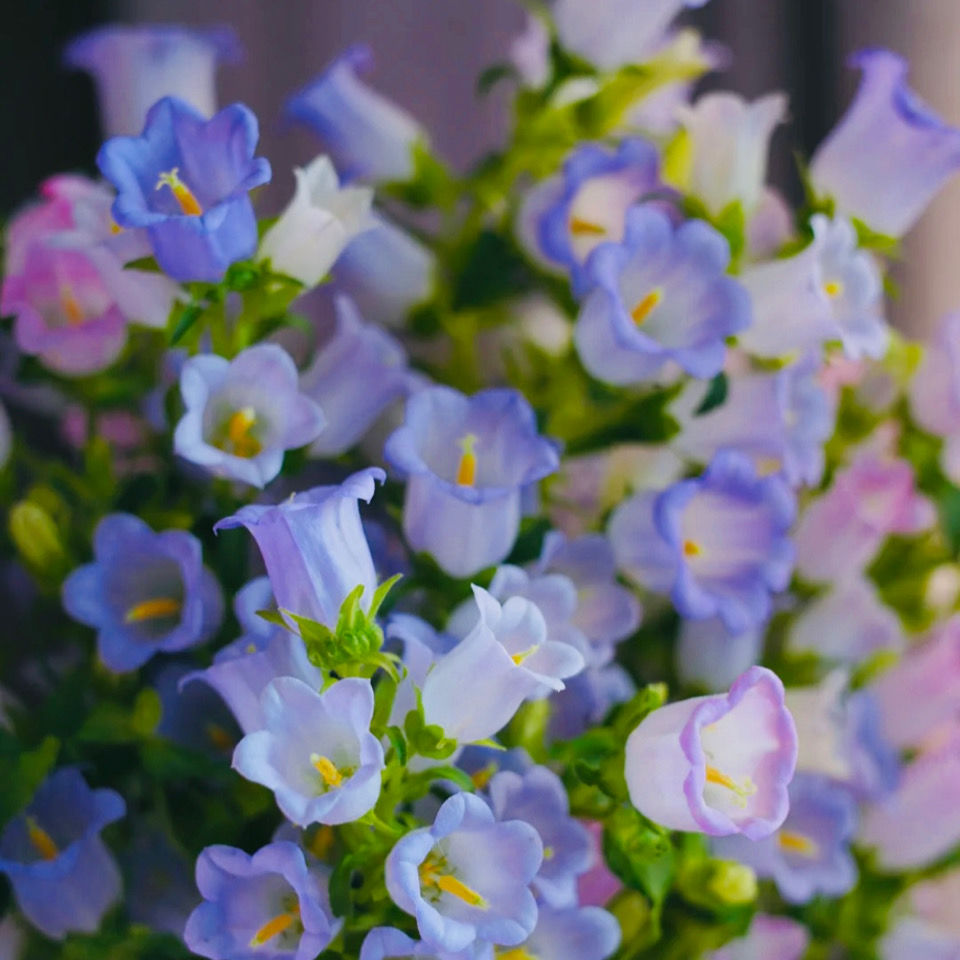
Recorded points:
429,54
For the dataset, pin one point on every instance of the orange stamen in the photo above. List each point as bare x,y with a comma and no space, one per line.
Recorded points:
646,306
797,843
153,609
41,840
691,548
580,228
275,927
189,204
467,468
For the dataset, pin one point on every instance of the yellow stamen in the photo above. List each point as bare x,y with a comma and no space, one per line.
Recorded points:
515,953
71,307
797,843
431,877
154,609
321,842
483,776
467,468
549,853
768,466
274,927
181,192
219,737
41,840
115,227
332,777
580,228
691,548
742,790
833,288
250,648
647,305
237,436
518,658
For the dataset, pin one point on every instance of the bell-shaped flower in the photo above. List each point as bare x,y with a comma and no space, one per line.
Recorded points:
611,34
586,700
924,921
63,876
315,751
384,943
810,853
368,135
354,377
662,295
467,461
780,420
572,933
474,690
709,657
718,543
467,877
719,764
935,392
320,220
769,936
386,271
186,180
886,188
729,143
134,67
144,593
565,218
539,798
313,546
272,904
242,414
194,716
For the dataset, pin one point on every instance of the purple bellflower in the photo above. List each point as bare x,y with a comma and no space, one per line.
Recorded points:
467,877
384,943
313,546
662,295
144,593
586,699
186,179
133,67
886,188
467,461
719,764
271,905
809,854
316,751
241,414
573,933
63,876
769,937
925,922
708,656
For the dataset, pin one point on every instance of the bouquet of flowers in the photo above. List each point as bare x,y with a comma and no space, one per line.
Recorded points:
555,561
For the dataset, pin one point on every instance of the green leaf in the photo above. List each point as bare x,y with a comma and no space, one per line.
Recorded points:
380,594
188,317
399,744
144,263
715,396
274,617
24,771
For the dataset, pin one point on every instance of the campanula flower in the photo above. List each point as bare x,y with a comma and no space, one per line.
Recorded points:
271,904
708,656
529,53
566,217
320,220
586,699
315,751
369,136
313,546
386,271
186,179
718,543
768,936
144,593
159,888
925,921
242,414
383,943
809,854
476,688
467,461
355,375
467,877
573,933
539,798
193,716
598,885
718,764
662,295
886,188
133,67
63,876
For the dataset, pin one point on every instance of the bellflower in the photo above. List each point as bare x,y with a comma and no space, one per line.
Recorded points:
922,691
662,294
887,189
476,688
729,141
193,716
467,877
354,377
186,179
133,67
386,271
718,764
144,593
383,943
598,885
935,392
63,876
809,854
320,220
841,531
707,655
539,798
718,543
271,905
566,217
313,546
574,933
242,414
586,699
160,892
769,937
925,922
467,461
529,53
368,136
315,751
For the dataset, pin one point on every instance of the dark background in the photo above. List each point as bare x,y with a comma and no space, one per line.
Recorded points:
429,53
